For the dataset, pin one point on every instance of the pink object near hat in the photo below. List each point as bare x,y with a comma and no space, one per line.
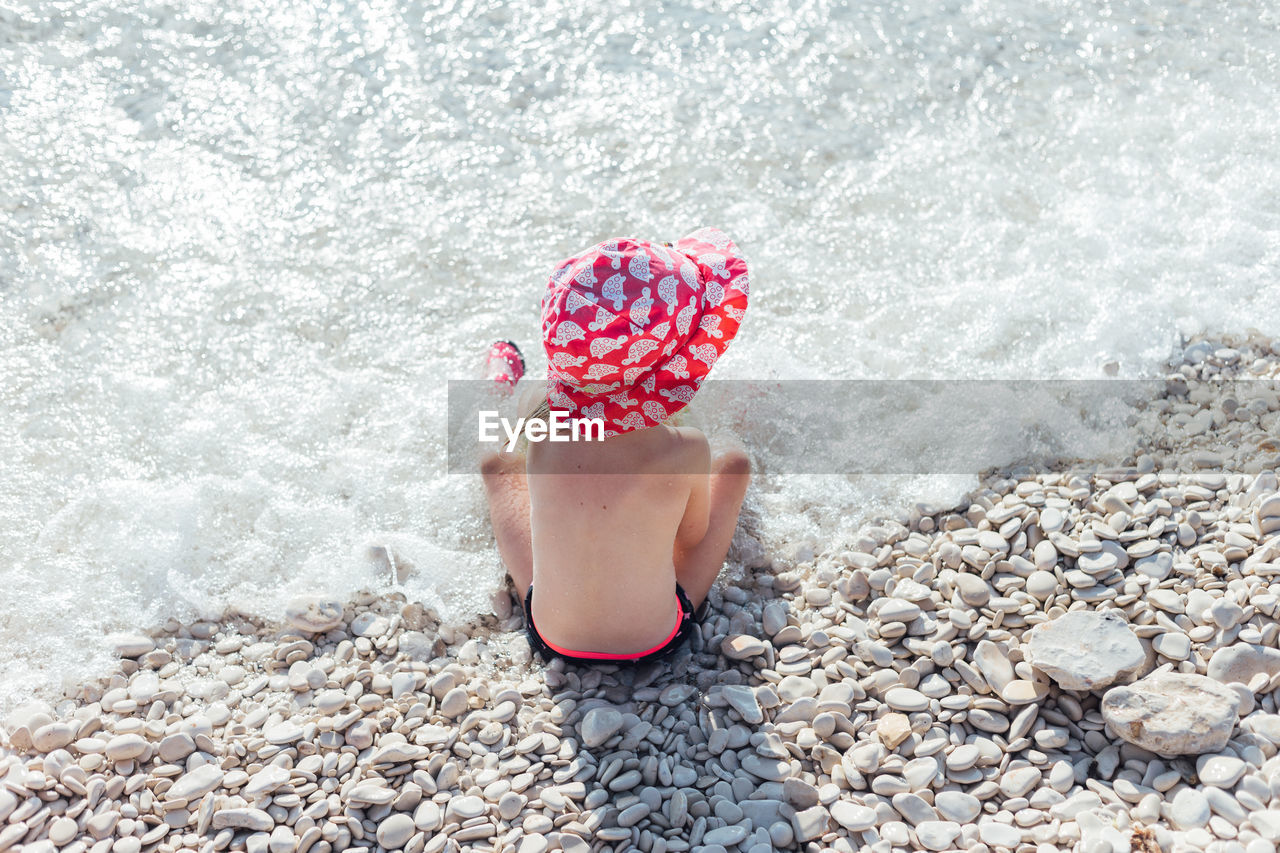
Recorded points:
631,327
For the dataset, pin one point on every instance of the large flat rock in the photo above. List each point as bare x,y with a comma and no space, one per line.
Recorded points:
1086,650
1172,713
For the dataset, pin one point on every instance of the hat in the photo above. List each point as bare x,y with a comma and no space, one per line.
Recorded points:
631,327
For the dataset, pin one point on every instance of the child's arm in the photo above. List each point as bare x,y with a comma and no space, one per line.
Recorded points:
697,472
715,512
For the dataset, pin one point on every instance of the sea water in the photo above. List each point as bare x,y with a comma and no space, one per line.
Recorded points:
244,243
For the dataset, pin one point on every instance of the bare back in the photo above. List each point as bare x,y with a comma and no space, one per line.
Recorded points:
605,517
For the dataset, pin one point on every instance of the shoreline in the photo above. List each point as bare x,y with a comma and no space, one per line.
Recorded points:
878,696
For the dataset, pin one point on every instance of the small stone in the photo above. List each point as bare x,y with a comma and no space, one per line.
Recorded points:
1085,649
1267,823
1173,645
726,836
282,840
1156,566
942,654
1223,803
283,733
852,816
742,647
371,626
988,721
402,683
994,664
53,736
510,804
465,807
913,808
1220,771
799,793
1061,776
1051,519
1000,834
359,735
399,753
810,823
1022,692
774,617
330,701
937,834
1189,809
1017,783
898,610
313,614
1173,713
176,747
419,646
570,843
1165,599
963,757
125,747
455,702
253,819
794,687
197,783
743,700
906,699
1241,662
265,781
62,830
598,725
131,645
973,590
428,816
395,830
1226,613
762,813
372,794
1042,584
676,693
1097,563
769,769
893,729
957,806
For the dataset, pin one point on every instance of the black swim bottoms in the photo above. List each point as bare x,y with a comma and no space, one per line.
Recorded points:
686,621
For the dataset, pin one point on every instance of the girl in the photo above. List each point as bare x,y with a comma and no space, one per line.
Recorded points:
623,537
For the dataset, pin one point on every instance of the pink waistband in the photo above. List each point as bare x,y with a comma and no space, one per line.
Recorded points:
615,656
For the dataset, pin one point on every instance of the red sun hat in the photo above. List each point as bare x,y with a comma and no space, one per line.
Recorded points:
631,327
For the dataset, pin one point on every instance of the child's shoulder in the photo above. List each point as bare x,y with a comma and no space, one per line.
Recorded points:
664,448
690,442
688,435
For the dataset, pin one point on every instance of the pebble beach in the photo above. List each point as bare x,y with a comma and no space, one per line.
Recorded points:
1083,658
